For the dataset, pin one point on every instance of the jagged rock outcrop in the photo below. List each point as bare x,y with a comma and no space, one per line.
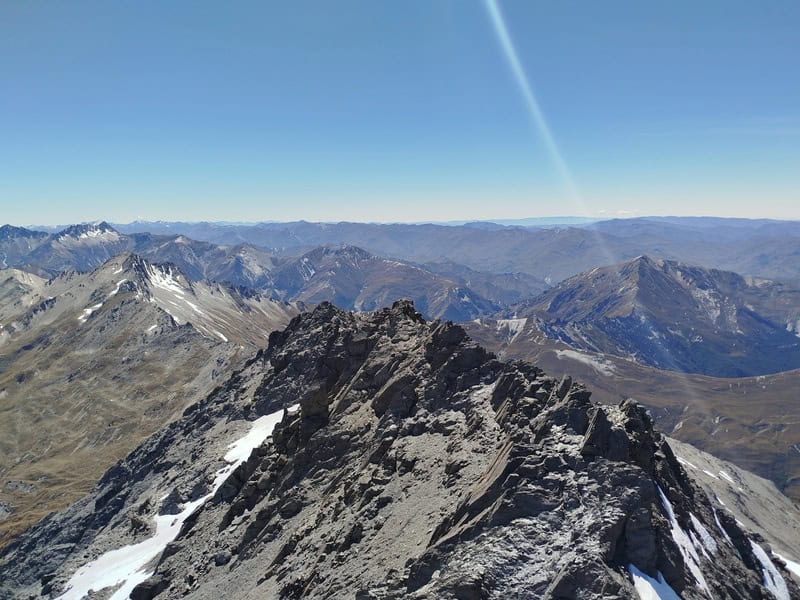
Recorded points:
417,466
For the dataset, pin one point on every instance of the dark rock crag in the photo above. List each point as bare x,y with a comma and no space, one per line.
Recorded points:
418,466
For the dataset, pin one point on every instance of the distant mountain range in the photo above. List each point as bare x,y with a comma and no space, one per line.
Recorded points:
763,248
346,275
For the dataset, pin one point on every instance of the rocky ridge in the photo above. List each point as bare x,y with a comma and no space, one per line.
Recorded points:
418,466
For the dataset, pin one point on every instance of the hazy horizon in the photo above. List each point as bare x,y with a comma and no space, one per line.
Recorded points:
555,220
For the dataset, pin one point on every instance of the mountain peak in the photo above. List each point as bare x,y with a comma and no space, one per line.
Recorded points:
98,230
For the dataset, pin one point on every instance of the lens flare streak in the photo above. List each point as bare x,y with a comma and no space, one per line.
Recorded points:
535,110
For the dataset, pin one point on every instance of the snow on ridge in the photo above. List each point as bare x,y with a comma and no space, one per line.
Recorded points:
164,279
126,565
771,578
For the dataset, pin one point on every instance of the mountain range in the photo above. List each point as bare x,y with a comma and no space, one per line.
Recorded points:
379,456
376,423
757,247
347,275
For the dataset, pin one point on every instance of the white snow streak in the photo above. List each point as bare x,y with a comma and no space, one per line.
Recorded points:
87,312
684,542
771,577
514,326
126,565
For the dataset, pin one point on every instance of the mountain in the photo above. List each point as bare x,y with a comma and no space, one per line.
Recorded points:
352,278
92,363
674,316
78,247
379,456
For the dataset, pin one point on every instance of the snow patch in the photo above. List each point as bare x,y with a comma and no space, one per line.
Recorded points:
115,291
126,565
770,576
709,543
194,307
164,279
721,528
603,367
87,312
222,337
651,589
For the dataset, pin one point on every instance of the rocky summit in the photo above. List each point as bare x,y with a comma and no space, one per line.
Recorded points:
376,456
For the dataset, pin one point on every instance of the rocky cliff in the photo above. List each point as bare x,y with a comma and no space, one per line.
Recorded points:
417,465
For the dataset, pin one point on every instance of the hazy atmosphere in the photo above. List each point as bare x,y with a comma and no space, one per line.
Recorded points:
363,111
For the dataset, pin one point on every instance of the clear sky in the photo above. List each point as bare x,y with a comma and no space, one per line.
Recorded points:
412,110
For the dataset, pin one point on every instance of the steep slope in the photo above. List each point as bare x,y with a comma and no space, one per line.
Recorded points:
754,501
753,422
352,278
673,316
90,364
416,466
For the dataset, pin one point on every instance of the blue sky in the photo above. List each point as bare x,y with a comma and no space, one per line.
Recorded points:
396,110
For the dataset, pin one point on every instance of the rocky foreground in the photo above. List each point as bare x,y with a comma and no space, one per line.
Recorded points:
417,466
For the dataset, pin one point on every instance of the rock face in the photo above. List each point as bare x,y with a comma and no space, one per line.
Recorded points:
417,466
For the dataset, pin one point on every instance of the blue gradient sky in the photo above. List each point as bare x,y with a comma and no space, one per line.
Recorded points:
395,110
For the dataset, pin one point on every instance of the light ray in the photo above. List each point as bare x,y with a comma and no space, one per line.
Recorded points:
546,135
535,110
